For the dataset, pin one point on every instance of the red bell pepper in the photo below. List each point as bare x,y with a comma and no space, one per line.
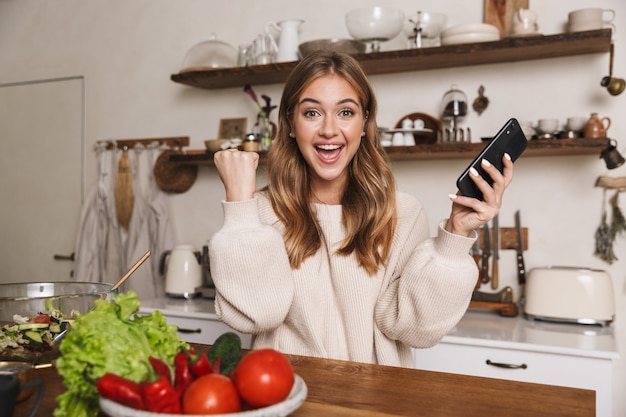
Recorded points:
198,363
182,374
159,396
121,390
161,368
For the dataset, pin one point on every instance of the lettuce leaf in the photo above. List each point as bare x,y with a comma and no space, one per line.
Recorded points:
111,337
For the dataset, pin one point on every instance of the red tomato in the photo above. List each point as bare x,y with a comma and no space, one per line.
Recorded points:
41,318
263,377
211,394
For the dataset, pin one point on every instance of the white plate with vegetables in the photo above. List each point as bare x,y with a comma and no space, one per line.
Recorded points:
284,408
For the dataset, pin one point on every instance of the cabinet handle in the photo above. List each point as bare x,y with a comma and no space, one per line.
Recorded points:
182,330
506,365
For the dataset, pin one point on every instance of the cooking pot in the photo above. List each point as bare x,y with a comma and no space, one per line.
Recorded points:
183,272
16,385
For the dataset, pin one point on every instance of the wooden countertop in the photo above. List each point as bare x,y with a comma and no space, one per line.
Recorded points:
345,389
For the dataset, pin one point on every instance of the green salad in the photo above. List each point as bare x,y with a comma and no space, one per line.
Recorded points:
114,338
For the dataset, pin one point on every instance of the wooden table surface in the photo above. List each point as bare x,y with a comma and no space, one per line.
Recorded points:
347,389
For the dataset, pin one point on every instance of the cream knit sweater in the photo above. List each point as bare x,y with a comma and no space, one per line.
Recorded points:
330,307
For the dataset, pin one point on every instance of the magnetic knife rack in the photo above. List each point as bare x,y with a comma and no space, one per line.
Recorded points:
508,241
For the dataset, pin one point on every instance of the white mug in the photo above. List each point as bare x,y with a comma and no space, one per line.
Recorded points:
590,19
418,124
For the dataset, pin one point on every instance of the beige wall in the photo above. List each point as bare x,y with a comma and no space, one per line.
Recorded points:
127,51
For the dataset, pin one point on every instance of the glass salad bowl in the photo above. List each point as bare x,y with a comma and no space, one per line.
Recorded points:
33,314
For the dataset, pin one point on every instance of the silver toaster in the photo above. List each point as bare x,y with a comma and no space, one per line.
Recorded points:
569,294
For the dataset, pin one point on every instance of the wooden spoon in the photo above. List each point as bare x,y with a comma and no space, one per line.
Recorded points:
130,271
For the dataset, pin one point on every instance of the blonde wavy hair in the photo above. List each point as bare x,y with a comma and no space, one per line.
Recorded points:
369,201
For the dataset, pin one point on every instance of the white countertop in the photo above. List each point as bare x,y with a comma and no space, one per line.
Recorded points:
198,308
482,328
486,328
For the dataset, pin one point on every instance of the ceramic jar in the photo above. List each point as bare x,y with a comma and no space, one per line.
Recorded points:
596,127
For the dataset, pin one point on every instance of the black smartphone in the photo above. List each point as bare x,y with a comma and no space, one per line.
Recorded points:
510,139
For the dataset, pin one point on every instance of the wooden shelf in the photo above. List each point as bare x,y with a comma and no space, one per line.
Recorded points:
548,147
388,62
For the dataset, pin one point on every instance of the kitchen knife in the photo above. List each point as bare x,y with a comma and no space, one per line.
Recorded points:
484,266
521,268
476,256
496,254
503,296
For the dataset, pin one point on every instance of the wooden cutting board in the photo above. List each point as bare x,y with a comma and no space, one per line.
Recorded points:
500,13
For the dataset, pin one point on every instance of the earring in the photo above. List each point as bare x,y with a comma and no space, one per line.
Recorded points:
291,135
363,134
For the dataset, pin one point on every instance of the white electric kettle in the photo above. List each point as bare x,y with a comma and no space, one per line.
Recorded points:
183,272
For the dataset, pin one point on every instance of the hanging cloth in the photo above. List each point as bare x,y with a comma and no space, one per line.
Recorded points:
138,240
98,247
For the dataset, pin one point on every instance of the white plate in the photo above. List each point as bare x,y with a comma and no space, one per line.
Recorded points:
282,409
470,38
471,28
400,130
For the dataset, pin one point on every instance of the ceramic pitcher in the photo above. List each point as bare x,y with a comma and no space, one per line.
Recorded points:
288,40
596,127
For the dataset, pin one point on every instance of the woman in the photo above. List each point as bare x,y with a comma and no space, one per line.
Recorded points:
328,259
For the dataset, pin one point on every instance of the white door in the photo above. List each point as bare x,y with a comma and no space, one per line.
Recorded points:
41,177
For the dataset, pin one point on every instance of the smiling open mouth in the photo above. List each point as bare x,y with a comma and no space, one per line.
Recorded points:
329,152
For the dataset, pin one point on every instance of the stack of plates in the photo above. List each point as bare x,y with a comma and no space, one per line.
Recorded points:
478,32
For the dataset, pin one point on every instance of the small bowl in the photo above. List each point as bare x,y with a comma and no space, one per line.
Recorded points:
375,23
348,46
215,145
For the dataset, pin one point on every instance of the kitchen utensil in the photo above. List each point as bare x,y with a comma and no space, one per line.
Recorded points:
211,53
495,269
182,270
615,86
131,270
425,29
612,158
207,290
288,39
374,25
476,256
521,268
505,295
348,46
570,294
11,389
597,127
484,266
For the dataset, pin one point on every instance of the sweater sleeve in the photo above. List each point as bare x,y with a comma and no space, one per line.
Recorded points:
430,287
250,269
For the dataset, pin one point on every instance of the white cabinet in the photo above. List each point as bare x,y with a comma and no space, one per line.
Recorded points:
196,319
487,345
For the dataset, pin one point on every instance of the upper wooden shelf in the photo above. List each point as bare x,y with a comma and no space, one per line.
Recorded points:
547,147
388,62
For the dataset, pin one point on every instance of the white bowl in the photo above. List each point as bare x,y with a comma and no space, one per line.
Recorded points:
469,38
471,28
375,23
284,408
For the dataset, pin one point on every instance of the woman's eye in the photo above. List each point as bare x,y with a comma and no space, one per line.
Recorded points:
310,113
346,113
